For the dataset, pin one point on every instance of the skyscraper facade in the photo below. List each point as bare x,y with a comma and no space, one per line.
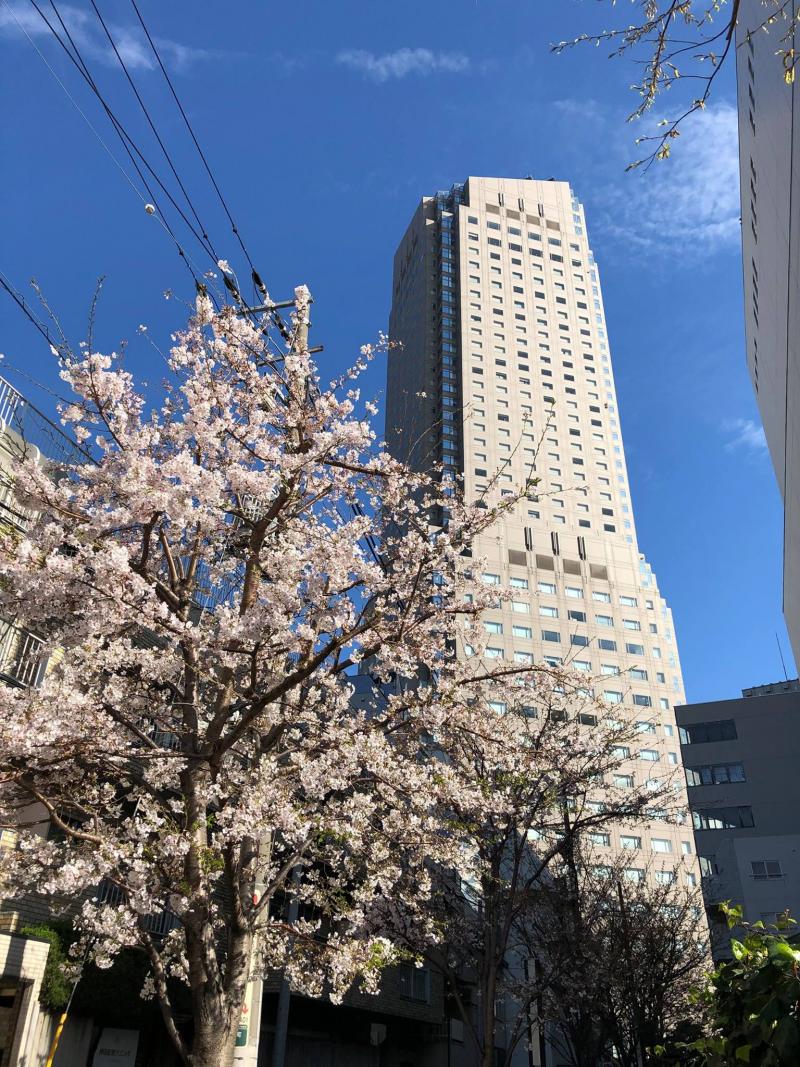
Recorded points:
769,179
502,365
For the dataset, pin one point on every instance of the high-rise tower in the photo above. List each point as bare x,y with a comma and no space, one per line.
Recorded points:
504,361
769,179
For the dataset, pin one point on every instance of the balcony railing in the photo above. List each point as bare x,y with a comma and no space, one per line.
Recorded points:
158,924
22,661
26,433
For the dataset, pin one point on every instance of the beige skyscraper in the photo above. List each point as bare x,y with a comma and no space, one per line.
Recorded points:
505,359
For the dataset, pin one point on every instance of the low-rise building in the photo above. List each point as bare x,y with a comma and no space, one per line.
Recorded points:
741,758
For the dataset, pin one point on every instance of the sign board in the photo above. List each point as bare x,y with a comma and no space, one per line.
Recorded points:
116,1048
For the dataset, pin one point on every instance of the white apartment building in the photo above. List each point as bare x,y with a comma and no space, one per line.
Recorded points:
505,361
769,166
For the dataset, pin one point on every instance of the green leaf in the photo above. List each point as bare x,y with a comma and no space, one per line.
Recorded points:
783,950
738,949
743,1053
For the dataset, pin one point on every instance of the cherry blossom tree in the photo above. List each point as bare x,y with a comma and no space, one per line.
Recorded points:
619,950
542,759
205,587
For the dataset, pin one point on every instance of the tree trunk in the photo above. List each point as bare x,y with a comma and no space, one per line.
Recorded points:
488,1021
214,1047
217,1008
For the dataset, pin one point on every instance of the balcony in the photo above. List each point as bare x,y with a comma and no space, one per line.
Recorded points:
25,433
22,661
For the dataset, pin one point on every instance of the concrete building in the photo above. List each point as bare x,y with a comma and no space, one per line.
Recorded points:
503,371
769,162
741,758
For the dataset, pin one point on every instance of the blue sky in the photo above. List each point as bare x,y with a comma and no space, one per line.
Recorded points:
325,123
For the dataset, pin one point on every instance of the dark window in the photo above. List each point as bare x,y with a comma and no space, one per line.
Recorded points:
723,818
415,982
715,774
766,869
701,732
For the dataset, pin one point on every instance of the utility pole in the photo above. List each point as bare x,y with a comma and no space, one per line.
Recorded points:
285,995
301,302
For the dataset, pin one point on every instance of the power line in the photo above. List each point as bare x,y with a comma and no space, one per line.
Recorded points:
153,128
130,147
22,304
274,315
119,129
192,134
126,140
257,282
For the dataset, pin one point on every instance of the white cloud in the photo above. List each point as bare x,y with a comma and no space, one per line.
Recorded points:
686,205
403,62
744,434
693,197
17,19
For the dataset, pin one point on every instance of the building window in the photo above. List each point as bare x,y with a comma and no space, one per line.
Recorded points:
701,732
766,869
415,982
660,844
649,754
715,774
723,818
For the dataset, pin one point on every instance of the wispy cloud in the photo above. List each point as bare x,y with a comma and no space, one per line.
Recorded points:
744,435
403,62
17,19
687,205
693,197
